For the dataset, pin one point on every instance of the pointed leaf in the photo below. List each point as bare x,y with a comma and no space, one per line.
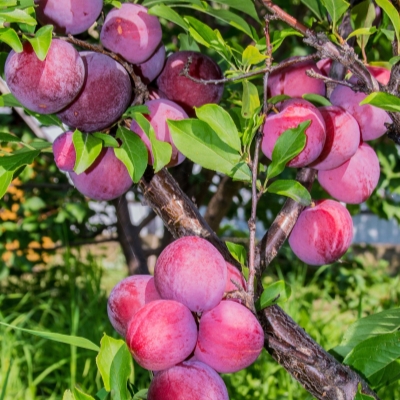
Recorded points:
79,395
238,252
18,159
187,43
7,137
288,146
221,122
386,101
42,41
141,394
376,324
120,373
362,396
315,7
277,292
293,189
132,152
8,100
18,16
246,6
10,37
374,354
336,8
394,16
364,32
57,337
108,140
87,149
163,11
386,376
252,56
316,99
199,142
6,178
250,99
68,395
363,16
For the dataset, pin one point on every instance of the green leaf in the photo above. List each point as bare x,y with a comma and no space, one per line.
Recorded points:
238,252
246,6
374,354
7,137
109,348
57,337
131,111
132,152
79,395
10,37
316,99
141,394
149,3
252,56
361,396
163,11
18,159
277,292
121,368
42,41
187,43
336,8
277,99
199,142
68,395
291,188
363,32
38,144
108,140
45,119
87,149
362,17
250,99
386,376
278,36
5,180
221,122
102,394
17,15
394,16
315,7
376,324
8,100
161,151
288,146
386,101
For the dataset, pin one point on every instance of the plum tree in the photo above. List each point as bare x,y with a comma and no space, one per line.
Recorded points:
192,271
105,95
131,32
183,90
161,334
160,111
106,179
150,69
294,82
68,16
190,380
45,86
342,138
230,337
354,181
323,233
292,113
127,297
64,152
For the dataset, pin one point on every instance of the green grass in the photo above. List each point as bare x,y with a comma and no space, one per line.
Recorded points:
70,298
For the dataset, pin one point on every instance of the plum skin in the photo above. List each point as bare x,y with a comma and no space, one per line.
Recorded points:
105,95
161,334
64,152
106,179
68,16
355,180
230,337
182,90
189,380
322,233
342,138
45,86
131,32
160,111
192,271
127,297
150,69
292,113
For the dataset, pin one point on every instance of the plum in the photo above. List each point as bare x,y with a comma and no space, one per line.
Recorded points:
45,86
106,179
322,233
292,113
150,69
127,297
236,275
371,119
68,16
355,180
230,337
160,111
64,151
294,82
192,271
190,380
342,138
104,97
131,32
182,90
161,334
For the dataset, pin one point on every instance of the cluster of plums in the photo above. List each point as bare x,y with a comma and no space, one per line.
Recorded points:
178,324
90,91
348,168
